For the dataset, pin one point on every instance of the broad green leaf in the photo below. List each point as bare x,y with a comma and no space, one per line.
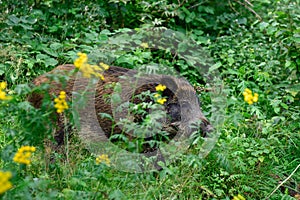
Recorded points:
56,46
51,62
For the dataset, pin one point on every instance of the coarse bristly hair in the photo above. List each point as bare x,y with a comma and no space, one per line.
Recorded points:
182,106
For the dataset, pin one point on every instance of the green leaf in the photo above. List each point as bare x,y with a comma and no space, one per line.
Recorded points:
287,63
14,19
2,69
215,66
261,158
56,46
115,98
230,61
50,52
30,20
190,17
263,25
51,62
209,10
42,57
284,105
26,27
277,110
22,89
185,10
231,71
296,38
106,115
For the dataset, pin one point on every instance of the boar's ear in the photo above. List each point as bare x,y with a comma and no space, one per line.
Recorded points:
170,82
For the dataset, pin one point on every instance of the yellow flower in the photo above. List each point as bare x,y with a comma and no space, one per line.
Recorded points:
103,159
101,77
81,60
255,97
87,69
248,97
104,66
3,85
2,93
23,155
161,101
160,87
247,90
144,45
156,95
60,102
238,197
5,184
91,70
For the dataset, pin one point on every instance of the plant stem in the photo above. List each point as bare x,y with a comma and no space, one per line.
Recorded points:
283,182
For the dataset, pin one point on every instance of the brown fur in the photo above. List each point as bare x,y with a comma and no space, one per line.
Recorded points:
182,105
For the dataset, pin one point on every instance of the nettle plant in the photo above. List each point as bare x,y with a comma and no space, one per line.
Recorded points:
142,127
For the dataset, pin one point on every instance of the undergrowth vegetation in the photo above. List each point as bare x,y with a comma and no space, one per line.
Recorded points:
254,46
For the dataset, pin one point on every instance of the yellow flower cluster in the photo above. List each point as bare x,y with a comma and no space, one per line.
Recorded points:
5,184
103,159
2,93
249,98
144,45
160,88
81,60
159,99
23,155
60,102
87,69
238,197
104,66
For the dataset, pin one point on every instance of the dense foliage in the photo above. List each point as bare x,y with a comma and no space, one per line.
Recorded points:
252,45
